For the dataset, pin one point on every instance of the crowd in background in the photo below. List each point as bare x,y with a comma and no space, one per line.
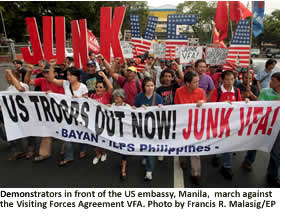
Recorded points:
161,83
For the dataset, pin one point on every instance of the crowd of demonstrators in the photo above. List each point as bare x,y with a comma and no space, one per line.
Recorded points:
161,83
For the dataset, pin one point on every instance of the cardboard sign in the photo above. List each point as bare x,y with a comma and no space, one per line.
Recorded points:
193,41
159,50
127,49
216,56
189,53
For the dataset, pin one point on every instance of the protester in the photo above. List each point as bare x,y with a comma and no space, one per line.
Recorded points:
119,96
92,59
263,77
205,81
45,86
148,98
73,88
226,93
190,93
103,95
215,74
167,90
20,69
178,74
130,83
18,148
158,70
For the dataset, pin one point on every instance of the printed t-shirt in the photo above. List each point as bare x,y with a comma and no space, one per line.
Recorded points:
105,98
168,93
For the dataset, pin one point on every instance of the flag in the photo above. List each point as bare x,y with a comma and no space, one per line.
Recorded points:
222,19
172,39
258,17
141,45
239,51
216,38
93,44
238,11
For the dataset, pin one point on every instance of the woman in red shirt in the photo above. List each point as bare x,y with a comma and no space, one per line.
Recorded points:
104,89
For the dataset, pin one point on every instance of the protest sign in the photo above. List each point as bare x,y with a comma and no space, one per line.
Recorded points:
173,130
159,50
193,41
127,49
216,56
189,53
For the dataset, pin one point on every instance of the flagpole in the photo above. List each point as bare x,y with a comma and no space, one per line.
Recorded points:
231,24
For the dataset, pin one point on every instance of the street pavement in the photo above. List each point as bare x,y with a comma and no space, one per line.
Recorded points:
82,173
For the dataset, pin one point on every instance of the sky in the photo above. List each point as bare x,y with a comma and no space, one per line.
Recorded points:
270,5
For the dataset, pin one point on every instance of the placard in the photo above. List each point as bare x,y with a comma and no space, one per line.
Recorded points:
216,56
189,53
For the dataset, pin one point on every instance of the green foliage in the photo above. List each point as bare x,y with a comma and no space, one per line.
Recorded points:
206,12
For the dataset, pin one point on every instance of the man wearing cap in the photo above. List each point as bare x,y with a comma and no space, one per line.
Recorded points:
19,67
91,77
130,83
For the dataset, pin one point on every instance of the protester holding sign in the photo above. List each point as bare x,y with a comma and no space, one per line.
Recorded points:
45,86
226,93
205,81
119,96
190,93
73,88
148,98
103,95
130,83
17,146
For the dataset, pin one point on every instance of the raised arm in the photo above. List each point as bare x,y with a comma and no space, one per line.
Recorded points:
105,62
114,74
180,73
107,81
27,78
51,75
15,81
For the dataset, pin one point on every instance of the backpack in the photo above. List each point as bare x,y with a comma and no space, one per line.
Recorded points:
220,92
137,84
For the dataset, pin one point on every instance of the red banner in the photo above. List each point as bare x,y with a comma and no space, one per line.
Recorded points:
93,44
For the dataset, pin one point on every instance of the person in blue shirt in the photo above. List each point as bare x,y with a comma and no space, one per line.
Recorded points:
144,99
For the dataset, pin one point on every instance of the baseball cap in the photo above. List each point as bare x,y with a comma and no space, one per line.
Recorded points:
91,63
133,69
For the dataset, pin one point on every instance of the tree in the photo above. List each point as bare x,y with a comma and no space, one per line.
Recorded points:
206,13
